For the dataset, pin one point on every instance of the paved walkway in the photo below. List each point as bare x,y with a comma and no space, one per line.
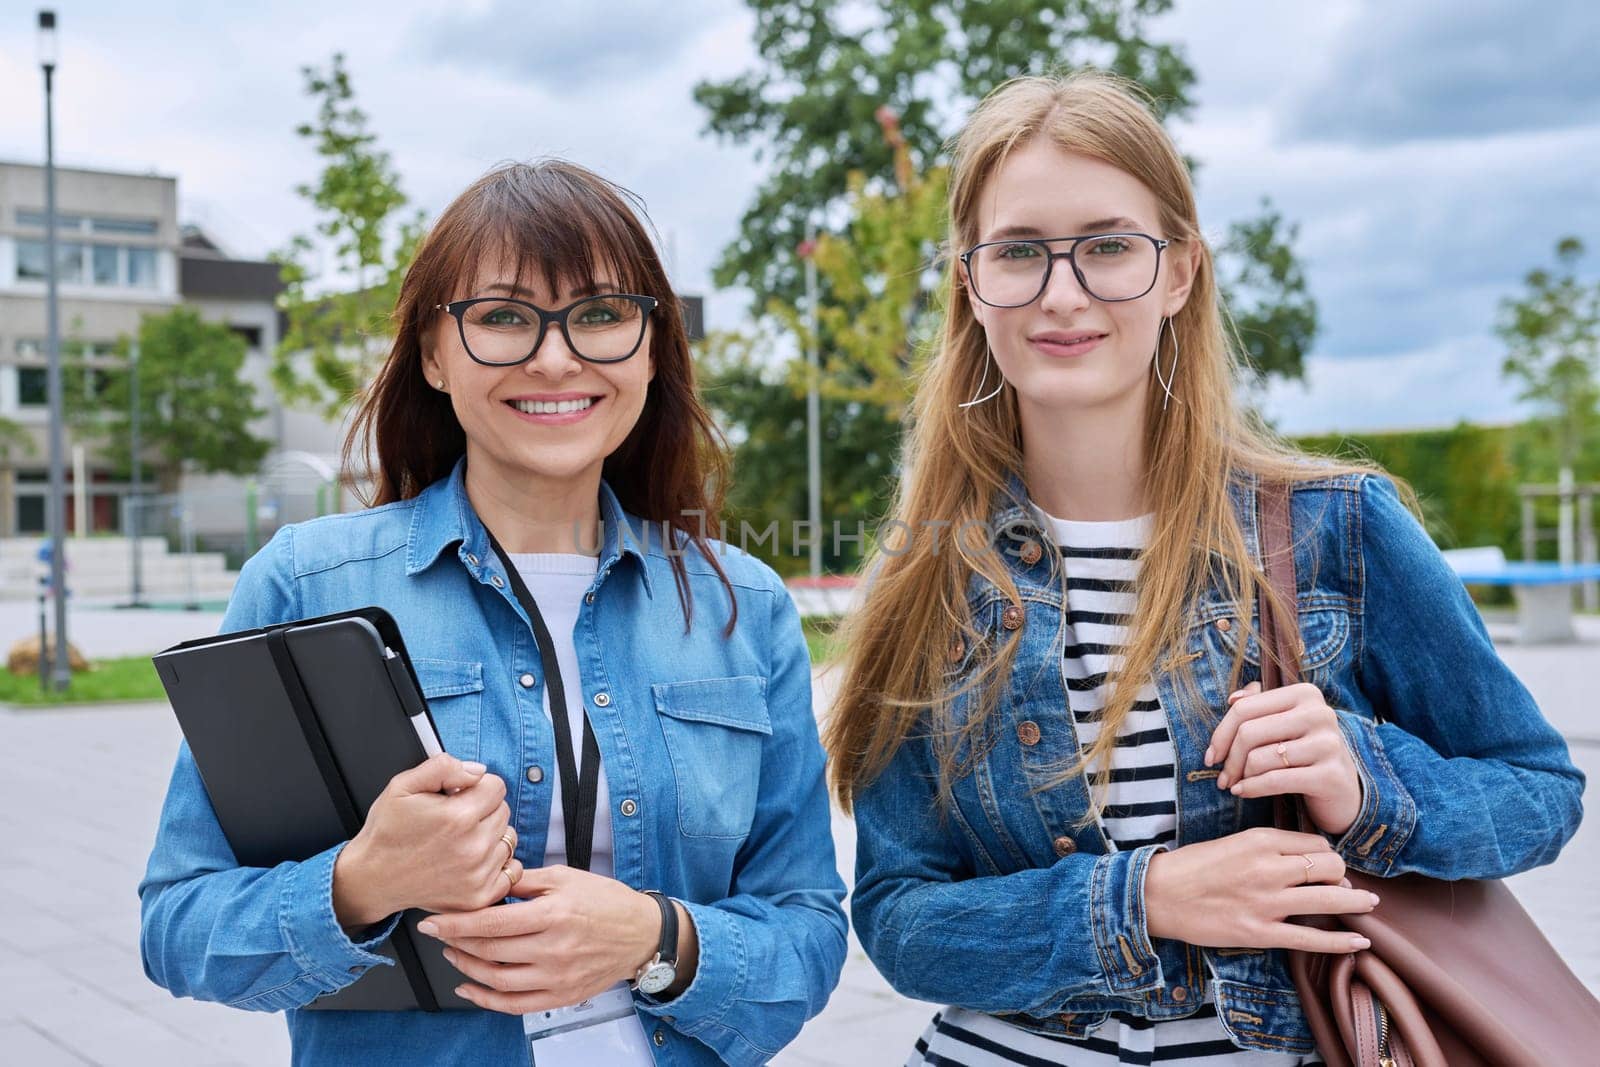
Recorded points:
77,813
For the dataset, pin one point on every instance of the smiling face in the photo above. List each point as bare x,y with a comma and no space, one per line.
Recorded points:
553,420
1067,351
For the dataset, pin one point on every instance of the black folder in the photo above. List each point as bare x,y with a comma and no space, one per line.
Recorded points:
296,729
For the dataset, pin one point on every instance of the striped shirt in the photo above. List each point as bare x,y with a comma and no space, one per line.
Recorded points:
1140,808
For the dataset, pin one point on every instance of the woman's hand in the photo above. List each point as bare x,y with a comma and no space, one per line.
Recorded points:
438,837
578,935
1239,891
1288,741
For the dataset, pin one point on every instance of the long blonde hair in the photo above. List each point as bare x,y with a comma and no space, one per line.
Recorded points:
957,463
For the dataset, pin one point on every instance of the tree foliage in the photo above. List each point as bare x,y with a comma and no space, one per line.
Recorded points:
1552,338
342,284
194,405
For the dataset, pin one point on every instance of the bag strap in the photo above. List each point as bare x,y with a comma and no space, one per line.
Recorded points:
1278,634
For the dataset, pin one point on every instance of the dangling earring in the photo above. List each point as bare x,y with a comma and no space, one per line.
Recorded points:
988,358
1172,372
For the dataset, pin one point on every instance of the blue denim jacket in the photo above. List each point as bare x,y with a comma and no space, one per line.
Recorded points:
1003,904
709,745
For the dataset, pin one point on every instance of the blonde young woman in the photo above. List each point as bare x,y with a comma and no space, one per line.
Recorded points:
1050,730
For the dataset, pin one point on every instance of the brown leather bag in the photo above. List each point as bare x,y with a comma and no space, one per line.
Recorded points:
1458,975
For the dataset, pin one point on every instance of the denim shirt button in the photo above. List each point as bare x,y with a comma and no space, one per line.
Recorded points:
497,581
1028,732
526,681
1180,995
602,700
536,774
629,808
659,1037
588,598
1031,553
472,559
1224,625
1064,845
1011,618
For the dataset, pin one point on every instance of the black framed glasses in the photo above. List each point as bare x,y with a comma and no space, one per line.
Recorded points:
1111,267
500,332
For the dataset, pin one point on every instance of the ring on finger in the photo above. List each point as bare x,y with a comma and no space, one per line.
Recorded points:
1310,865
509,836
1283,753
511,879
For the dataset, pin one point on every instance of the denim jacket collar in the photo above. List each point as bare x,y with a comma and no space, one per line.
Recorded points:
443,516
1014,523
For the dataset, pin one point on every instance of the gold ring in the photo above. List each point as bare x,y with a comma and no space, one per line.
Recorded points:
511,879
1310,863
1283,753
510,838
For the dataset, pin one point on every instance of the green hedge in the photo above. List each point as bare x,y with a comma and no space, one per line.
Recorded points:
1466,478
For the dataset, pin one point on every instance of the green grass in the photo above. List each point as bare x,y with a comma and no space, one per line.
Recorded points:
130,678
821,638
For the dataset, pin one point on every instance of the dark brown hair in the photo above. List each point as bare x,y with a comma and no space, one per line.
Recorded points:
568,225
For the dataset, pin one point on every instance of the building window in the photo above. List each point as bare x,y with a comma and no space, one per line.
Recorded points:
30,514
33,388
107,266
142,268
251,334
136,227
36,219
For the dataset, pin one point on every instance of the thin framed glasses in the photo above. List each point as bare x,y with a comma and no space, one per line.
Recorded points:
500,332
1111,267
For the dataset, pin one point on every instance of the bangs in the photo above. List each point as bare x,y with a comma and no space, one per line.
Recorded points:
568,231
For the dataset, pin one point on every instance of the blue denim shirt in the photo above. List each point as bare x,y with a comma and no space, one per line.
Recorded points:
1004,904
710,749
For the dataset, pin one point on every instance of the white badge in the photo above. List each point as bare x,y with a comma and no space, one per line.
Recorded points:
603,1029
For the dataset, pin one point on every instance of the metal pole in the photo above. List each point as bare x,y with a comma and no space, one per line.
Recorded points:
55,505
136,494
813,413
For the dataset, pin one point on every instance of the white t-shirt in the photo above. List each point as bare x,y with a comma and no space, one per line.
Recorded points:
558,582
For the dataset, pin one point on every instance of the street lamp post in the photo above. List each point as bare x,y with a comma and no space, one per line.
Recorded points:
55,505
813,408
136,495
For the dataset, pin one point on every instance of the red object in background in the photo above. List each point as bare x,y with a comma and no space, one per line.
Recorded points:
806,249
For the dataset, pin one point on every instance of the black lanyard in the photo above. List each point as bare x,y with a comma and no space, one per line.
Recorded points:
579,785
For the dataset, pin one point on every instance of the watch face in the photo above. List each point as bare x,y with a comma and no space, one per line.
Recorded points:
657,977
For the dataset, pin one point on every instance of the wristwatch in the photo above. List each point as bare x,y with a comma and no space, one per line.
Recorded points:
659,973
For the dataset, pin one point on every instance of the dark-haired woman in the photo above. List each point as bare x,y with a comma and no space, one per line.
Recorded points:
538,438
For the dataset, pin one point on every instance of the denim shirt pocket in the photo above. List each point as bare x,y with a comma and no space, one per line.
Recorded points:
714,730
454,691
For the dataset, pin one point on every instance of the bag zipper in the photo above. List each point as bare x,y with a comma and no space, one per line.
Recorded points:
1384,1059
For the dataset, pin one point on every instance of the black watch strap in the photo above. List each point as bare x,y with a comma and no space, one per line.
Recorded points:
668,949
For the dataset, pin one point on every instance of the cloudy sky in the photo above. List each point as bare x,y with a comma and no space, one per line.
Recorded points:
1431,150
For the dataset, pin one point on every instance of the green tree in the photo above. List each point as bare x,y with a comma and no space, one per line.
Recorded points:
1552,338
338,317
828,65
193,403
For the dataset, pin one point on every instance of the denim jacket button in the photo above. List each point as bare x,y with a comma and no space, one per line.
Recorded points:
1028,732
1180,995
629,808
526,681
1224,625
497,581
958,648
1031,553
536,774
602,700
1011,618
472,559
1064,845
